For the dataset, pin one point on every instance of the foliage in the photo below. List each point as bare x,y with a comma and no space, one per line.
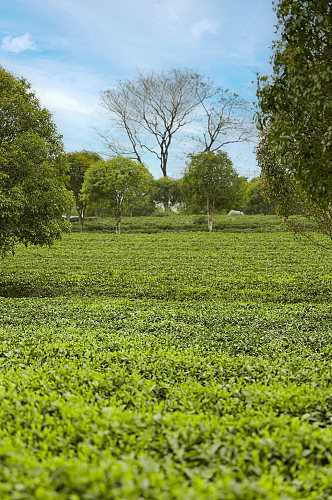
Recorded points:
78,165
295,103
117,182
143,206
33,196
210,181
126,374
288,197
256,202
168,192
240,192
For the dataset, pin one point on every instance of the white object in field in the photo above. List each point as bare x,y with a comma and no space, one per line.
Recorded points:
235,212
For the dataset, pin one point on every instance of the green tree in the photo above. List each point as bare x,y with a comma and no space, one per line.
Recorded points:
295,103
168,192
240,192
118,183
256,201
142,206
33,194
78,165
210,181
289,199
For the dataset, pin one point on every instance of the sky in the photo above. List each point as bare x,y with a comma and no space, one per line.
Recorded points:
70,50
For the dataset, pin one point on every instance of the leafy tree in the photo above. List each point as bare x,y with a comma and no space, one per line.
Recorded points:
289,199
240,192
168,192
295,103
256,201
210,181
117,182
33,168
142,206
78,165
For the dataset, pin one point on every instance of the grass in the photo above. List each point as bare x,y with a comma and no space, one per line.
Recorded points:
166,366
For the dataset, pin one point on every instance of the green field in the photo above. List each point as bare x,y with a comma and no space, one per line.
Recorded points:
173,365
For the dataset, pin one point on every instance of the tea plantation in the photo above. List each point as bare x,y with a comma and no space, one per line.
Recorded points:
173,365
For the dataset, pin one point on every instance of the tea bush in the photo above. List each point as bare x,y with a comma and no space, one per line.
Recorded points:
175,222
166,366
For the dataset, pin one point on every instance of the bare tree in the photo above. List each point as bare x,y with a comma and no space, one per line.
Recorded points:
118,102
225,118
150,110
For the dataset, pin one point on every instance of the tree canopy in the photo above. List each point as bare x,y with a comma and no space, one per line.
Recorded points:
256,200
295,103
33,194
168,192
117,182
289,199
79,162
211,182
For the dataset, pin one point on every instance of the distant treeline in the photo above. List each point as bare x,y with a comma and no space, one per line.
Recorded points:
117,187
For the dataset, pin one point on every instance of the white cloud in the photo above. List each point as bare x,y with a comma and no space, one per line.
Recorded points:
197,30
55,99
171,10
84,47
18,44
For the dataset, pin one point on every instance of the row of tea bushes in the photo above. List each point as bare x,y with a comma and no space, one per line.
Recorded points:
175,222
180,366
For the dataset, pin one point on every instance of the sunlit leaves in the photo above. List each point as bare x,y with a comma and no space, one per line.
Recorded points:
166,366
295,103
33,196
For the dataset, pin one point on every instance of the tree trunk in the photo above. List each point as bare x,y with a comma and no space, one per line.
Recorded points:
118,223
209,210
211,216
68,215
165,206
81,219
163,163
80,211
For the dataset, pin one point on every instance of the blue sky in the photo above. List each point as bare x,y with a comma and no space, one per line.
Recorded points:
70,50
